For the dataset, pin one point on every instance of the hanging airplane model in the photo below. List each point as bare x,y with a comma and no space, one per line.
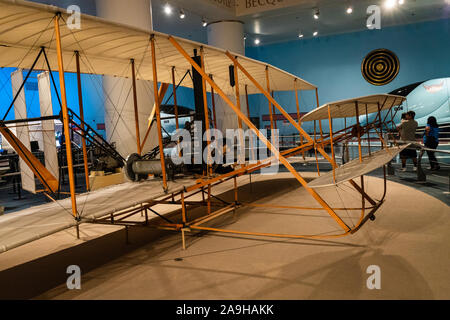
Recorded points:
36,37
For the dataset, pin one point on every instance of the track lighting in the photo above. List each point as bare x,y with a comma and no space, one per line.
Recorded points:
389,4
316,14
167,9
204,23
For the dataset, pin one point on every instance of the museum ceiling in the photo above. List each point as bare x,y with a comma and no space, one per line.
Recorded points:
283,20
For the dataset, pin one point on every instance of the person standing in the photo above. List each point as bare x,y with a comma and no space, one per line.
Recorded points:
407,131
431,141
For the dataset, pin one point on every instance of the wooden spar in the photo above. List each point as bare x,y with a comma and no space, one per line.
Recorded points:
205,108
383,145
248,114
320,121
363,201
358,131
65,114
209,198
368,130
44,176
83,138
238,96
246,101
390,109
274,114
297,101
330,122
267,205
274,235
270,105
236,198
157,111
282,159
315,148
175,103
241,159
183,209
161,93
136,111
213,102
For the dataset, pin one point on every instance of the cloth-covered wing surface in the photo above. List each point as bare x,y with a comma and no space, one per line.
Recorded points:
355,168
106,48
347,108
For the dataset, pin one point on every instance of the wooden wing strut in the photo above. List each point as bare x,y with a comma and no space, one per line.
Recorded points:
44,176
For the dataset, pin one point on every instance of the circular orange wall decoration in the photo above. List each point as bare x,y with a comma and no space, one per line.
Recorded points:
380,67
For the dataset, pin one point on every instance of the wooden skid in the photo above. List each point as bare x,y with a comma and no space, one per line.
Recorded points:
45,177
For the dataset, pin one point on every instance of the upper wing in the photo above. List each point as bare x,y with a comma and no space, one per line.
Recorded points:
347,108
106,48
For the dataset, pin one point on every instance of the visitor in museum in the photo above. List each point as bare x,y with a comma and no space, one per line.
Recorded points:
407,131
404,117
431,140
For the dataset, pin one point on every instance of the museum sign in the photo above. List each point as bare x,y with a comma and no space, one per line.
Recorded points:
245,7
227,4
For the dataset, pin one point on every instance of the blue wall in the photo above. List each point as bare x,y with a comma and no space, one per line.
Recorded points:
333,63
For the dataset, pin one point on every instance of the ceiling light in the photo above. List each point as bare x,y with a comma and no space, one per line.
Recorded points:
316,14
315,33
168,9
204,23
389,4
401,2
182,14
300,35
257,41
349,10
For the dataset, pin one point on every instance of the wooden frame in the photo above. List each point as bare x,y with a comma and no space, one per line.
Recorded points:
208,181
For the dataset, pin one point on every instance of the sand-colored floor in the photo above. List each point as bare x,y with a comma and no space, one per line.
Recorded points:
409,241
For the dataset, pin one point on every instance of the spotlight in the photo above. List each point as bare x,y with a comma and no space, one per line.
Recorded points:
204,23
349,10
316,14
182,14
257,41
300,35
389,4
168,9
315,33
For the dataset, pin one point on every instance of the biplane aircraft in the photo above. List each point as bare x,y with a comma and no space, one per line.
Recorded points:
36,37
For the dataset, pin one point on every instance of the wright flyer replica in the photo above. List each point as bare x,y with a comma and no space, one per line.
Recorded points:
37,38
